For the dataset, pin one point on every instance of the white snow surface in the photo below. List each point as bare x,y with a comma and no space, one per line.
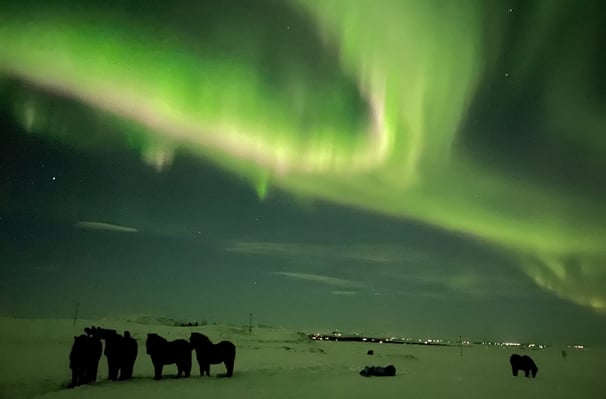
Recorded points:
281,363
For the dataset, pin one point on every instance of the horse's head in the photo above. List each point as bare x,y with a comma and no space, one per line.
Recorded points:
152,343
199,340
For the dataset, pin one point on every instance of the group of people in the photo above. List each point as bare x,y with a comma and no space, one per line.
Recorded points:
120,351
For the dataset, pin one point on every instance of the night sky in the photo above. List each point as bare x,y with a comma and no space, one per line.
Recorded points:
406,167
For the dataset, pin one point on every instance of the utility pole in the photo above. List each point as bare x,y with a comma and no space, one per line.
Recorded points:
461,344
76,313
249,323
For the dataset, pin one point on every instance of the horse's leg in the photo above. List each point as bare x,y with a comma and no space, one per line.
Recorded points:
187,365
94,370
182,366
200,363
158,371
74,377
230,360
127,371
112,366
229,365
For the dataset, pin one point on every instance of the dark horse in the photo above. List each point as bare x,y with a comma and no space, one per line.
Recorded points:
114,350
84,359
208,353
164,352
524,363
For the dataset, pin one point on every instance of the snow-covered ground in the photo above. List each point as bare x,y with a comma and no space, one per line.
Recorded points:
279,363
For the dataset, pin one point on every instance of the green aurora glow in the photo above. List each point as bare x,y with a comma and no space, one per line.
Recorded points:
358,102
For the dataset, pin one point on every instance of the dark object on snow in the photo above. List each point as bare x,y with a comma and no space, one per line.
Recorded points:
370,352
114,354
524,363
84,359
129,355
99,332
208,353
377,371
121,352
164,352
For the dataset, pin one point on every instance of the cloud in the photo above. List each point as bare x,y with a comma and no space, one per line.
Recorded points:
461,281
414,293
367,253
87,225
344,293
322,279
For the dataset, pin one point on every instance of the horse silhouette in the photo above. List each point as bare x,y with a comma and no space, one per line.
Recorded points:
208,353
114,351
84,359
129,355
524,363
164,352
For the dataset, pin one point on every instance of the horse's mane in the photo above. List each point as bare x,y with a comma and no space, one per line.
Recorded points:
199,339
103,333
156,338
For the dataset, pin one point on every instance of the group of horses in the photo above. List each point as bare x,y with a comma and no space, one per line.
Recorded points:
121,352
163,352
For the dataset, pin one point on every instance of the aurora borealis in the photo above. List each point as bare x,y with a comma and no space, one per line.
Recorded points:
480,120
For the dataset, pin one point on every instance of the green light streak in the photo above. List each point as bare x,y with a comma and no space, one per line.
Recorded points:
376,129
